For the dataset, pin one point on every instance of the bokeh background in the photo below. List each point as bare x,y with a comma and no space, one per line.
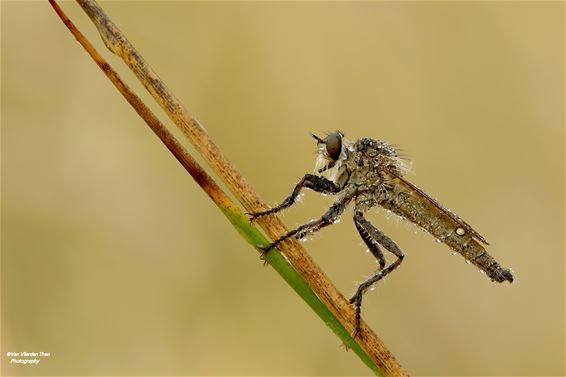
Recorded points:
116,263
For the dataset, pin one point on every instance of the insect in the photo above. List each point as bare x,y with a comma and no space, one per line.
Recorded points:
369,173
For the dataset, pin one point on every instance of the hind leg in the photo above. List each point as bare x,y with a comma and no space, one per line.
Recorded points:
372,237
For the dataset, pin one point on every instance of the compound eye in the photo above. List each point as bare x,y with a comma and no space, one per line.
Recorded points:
334,145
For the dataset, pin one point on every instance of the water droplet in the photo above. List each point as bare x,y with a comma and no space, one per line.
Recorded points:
367,251
438,240
372,288
482,271
468,262
460,231
454,253
388,211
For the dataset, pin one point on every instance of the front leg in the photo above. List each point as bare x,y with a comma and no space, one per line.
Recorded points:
311,181
328,218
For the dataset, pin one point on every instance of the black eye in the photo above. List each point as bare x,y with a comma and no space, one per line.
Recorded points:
334,145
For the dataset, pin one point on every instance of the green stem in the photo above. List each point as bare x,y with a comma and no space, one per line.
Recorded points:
254,237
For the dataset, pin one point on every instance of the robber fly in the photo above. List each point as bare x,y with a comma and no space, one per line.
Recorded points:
370,173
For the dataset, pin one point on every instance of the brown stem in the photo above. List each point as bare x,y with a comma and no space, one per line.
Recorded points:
174,146
197,135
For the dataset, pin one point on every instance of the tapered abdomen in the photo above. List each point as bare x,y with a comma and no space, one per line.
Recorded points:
413,204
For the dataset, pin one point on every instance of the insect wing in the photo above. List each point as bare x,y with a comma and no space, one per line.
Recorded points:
441,208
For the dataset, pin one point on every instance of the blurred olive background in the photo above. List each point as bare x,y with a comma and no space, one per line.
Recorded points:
116,262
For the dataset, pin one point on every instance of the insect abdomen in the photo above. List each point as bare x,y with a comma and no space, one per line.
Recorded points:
420,210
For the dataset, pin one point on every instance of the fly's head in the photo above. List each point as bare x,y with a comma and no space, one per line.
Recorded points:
332,152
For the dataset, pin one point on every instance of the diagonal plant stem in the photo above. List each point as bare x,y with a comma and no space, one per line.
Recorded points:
318,291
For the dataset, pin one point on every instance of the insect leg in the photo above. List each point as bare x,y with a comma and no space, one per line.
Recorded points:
362,225
328,218
311,181
373,236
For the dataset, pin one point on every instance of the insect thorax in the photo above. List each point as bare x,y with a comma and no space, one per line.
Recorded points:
369,159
